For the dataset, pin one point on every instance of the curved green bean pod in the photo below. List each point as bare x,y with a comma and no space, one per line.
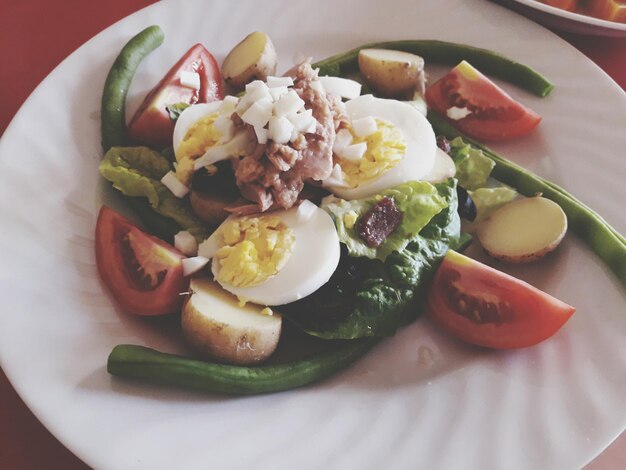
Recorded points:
113,107
486,61
149,365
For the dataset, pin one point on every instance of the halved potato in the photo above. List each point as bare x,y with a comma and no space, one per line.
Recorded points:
254,58
218,328
209,207
523,230
392,74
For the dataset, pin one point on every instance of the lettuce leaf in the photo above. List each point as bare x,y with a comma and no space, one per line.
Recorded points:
488,200
419,201
369,297
137,172
472,166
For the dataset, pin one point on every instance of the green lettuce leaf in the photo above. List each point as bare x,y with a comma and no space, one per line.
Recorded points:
419,201
137,172
488,200
369,297
472,166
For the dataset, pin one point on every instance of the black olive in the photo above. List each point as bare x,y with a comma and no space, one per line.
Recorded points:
467,208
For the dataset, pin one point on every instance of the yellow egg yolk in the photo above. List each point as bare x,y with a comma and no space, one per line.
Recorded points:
254,249
198,139
385,148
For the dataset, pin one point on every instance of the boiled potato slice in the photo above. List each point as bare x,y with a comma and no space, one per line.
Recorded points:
209,207
392,74
215,325
254,58
523,230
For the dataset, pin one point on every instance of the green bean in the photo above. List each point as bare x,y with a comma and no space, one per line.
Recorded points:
592,229
113,108
138,362
486,61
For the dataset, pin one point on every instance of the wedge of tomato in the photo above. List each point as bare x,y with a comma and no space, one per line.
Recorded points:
144,274
493,114
152,125
486,307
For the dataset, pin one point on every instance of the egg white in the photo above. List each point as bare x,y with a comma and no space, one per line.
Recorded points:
313,260
189,117
418,134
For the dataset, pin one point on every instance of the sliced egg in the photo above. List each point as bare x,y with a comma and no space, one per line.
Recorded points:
204,135
406,130
295,252
442,169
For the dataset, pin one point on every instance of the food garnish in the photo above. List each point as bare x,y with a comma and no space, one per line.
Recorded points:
300,199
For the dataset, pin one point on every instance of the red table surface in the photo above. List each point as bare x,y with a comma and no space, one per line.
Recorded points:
35,36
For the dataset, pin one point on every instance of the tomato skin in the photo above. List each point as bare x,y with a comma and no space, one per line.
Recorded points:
512,314
151,124
133,294
495,115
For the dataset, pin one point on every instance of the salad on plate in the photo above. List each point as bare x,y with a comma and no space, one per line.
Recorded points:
329,204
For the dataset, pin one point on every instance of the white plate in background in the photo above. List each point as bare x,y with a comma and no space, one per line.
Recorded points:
566,20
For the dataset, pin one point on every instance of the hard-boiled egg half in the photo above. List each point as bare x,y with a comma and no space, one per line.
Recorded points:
205,134
276,257
388,142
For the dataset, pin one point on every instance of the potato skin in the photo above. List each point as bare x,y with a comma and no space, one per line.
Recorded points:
226,343
263,65
541,221
209,208
218,328
392,74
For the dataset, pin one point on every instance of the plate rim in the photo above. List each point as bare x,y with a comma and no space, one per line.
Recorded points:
576,17
95,38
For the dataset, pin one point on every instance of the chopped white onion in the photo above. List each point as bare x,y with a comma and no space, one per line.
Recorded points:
302,121
193,265
190,79
343,87
172,183
306,210
254,84
457,113
280,130
335,183
330,199
317,86
364,126
261,134
287,104
353,153
274,82
208,247
229,103
259,113
255,94
225,126
277,92
343,138
186,243
240,144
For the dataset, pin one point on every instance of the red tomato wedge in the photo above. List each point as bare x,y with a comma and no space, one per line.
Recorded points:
144,274
494,115
486,307
151,125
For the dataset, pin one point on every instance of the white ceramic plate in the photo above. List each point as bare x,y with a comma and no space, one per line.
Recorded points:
419,400
567,20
